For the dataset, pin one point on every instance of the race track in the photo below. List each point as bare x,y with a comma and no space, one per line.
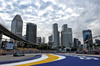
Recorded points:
56,60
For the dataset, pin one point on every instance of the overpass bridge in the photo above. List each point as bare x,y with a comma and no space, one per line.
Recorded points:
5,31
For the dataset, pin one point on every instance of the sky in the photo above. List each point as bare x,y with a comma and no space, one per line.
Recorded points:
78,14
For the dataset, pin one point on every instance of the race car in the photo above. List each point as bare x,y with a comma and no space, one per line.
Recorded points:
18,54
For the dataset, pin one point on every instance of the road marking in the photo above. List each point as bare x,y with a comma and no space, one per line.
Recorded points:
49,59
83,57
44,59
29,61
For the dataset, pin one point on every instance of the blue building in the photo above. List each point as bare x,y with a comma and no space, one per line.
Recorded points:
87,37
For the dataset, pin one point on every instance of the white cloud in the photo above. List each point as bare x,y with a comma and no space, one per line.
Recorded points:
78,14
37,4
53,1
25,2
69,10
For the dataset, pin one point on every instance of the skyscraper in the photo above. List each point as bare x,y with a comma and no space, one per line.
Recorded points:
75,43
43,40
50,42
39,40
70,36
17,25
50,38
31,32
58,39
87,37
64,36
55,36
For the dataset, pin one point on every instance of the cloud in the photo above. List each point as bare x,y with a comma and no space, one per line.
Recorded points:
78,14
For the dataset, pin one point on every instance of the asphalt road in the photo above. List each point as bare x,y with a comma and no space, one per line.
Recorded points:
60,60
75,60
10,57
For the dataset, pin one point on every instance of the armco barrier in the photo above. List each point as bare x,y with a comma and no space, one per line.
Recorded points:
13,61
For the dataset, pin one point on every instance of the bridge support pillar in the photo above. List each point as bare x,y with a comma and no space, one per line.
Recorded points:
15,43
0,38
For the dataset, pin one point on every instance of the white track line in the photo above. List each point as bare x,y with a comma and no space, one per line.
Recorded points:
34,60
29,61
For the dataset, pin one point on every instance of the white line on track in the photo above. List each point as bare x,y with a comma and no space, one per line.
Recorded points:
34,60
29,61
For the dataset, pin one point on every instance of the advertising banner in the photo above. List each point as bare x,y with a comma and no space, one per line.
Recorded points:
9,46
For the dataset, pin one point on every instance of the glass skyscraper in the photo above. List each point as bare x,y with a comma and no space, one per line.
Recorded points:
64,36
87,37
55,36
31,32
70,36
17,25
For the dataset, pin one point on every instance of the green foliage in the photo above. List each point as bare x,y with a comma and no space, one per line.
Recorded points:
73,49
43,47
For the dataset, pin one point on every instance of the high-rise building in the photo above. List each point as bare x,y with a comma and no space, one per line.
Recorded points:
64,36
39,40
59,39
31,32
24,37
50,42
87,37
97,41
55,36
43,40
17,25
70,36
76,43
50,38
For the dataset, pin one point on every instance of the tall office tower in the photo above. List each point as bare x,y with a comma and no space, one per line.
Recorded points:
31,32
75,43
55,36
50,38
39,40
59,39
50,42
24,37
87,37
43,40
70,36
64,37
17,25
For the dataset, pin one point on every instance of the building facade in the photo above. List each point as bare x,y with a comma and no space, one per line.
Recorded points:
38,40
43,40
70,36
97,41
87,37
50,38
55,36
17,25
31,32
76,43
64,36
